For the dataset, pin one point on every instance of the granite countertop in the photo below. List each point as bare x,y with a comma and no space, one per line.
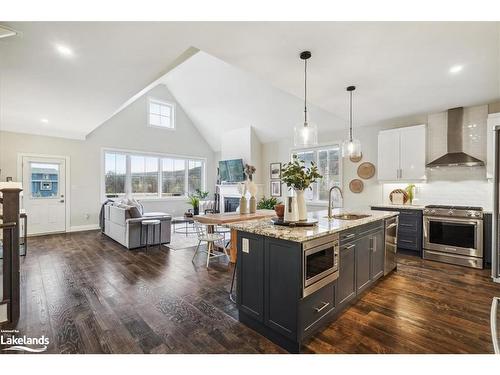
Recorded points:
401,206
324,227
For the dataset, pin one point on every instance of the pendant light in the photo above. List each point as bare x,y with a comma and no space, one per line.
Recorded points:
305,134
351,147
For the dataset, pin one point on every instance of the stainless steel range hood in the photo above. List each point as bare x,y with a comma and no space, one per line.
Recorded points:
455,155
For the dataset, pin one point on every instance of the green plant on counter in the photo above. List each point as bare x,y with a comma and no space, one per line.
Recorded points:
267,203
297,176
410,190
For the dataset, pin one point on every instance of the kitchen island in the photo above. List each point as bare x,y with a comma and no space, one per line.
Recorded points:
292,281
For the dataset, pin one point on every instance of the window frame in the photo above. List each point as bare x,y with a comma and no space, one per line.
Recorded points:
160,156
165,103
316,149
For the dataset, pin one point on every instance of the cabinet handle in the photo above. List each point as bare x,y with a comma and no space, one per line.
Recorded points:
351,235
374,244
408,241
349,247
406,225
319,309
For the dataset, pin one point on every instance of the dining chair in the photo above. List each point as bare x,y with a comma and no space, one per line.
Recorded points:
213,240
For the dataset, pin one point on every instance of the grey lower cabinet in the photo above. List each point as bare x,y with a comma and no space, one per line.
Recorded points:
362,259
410,228
270,278
346,283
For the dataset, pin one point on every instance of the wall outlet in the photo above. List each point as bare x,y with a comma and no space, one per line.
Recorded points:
245,245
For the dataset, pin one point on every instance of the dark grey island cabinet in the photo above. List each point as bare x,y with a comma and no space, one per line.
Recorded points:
270,278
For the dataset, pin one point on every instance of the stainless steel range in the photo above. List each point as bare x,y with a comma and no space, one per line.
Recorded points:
454,234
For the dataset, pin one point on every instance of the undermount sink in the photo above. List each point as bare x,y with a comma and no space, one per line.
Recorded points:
348,217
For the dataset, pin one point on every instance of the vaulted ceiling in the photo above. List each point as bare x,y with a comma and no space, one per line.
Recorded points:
399,69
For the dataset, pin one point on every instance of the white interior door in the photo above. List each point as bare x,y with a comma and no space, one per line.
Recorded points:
44,194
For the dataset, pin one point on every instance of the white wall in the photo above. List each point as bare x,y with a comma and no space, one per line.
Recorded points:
465,186
126,130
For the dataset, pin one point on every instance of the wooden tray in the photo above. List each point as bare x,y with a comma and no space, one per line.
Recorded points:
305,223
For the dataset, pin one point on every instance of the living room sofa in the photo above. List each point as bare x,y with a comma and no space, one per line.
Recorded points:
121,225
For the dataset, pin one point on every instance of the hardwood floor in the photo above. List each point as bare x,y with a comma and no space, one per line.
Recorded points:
90,295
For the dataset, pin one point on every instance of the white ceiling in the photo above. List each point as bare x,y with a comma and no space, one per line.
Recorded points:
399,68
219,97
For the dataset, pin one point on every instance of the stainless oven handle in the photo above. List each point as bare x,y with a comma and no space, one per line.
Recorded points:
493,324
325,305
443,219
391,226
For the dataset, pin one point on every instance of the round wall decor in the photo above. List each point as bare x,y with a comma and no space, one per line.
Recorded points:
356,185
366,170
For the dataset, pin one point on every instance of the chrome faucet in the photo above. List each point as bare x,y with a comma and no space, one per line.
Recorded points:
330,199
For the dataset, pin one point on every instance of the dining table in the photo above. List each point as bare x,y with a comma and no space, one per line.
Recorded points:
212,220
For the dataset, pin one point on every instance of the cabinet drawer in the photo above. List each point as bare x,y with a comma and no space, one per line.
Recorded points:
316,306
408,241
408,225
347,236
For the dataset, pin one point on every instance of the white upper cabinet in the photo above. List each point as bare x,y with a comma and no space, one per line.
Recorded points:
401,154
388,155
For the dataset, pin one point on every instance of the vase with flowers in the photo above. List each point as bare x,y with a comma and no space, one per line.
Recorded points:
298,177
251,187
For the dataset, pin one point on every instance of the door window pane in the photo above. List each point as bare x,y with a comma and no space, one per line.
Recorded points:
44,180
173,177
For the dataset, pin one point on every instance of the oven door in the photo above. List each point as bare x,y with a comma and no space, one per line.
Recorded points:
320,262
454,236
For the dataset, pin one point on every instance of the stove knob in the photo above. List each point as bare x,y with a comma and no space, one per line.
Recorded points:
470,214
433,211
450,212
476,214
426,211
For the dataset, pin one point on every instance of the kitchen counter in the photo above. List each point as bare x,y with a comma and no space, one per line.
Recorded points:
325,226
400,206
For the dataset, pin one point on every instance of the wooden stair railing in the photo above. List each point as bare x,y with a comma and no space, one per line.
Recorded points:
11,270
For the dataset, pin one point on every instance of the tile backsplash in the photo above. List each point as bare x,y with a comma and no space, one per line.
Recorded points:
461,186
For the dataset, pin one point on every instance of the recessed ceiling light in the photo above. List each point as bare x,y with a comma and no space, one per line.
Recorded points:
456,69
44,120
64,50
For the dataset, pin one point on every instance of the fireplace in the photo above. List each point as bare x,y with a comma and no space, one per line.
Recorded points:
231,204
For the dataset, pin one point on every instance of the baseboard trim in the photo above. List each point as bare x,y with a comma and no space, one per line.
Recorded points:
81,228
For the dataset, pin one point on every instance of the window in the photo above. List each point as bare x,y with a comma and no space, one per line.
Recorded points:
328,160
44,180
152,176
144,173
115,167
161,114
173,177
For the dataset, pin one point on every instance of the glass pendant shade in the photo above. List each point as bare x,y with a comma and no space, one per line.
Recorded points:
351,148
305,135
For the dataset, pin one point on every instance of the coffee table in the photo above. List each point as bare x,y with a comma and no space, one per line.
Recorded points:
187,229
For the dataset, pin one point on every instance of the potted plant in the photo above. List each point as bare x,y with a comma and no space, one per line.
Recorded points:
194,200
299,178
